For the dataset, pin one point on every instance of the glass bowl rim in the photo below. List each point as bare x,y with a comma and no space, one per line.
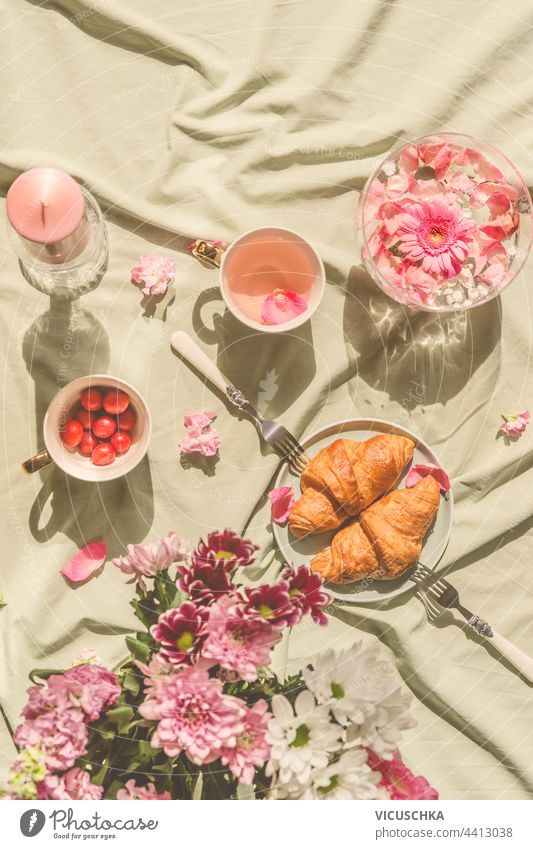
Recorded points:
451,136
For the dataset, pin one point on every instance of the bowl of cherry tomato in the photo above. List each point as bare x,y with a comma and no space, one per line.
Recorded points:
97,428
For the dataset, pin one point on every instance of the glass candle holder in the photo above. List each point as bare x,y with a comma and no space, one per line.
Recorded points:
57,230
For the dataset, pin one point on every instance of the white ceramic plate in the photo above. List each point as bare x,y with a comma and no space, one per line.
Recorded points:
298,551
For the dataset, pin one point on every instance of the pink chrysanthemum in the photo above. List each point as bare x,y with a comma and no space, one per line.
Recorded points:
435,233
131,791
99,687
193,715
180,633
398,780
148,560
251,749
74,784
237,641
62,736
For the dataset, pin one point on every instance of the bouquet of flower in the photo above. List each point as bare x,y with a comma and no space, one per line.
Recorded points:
442,224
195,712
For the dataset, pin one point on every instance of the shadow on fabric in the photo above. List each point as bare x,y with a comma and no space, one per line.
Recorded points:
64,343
396,347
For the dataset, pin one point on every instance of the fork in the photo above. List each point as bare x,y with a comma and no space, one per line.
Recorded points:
273,433
434,588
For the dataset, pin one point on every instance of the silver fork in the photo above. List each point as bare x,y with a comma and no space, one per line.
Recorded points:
274,433
433,588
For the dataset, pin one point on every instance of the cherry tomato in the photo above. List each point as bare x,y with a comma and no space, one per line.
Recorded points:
120,441
127,419
104,427
115,401
103,454
88,444
72,433
91,399
85,417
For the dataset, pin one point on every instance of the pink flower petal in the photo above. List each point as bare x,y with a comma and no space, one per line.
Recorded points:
515,423
282,501
282,305
86,561
201,438
422,470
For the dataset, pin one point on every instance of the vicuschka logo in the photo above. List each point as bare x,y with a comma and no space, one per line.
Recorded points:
32,822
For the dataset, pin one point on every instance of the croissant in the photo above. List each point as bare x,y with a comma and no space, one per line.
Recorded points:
386,539
345,478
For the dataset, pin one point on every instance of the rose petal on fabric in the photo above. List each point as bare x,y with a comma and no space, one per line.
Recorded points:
201,438
86,561
514,423
422,470
282,305
153,274
282,501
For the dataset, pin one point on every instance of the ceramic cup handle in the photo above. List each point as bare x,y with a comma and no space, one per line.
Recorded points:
39,461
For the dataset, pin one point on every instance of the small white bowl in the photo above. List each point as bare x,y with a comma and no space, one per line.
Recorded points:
276,234
70,460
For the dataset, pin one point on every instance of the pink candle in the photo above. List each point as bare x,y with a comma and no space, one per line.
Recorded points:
46,207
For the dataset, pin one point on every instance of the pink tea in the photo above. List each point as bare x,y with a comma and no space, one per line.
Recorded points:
264,261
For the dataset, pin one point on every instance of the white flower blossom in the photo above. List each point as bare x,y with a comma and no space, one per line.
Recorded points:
363,694
302,738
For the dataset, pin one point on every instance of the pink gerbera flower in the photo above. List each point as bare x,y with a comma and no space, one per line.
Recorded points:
435,233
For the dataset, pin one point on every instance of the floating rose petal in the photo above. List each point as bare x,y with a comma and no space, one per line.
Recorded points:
374,199
514,423
437,156
282,501
409,160
282,305
422,470
86,561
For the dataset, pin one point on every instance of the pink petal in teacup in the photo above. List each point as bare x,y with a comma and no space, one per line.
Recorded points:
85,562
282,305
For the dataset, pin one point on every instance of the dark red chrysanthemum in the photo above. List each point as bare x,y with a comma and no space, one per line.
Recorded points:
204,582
305,591
227,549
273,603
179,632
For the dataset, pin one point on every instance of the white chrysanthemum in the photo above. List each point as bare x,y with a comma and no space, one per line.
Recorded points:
382,730
361,693
301,738
348,778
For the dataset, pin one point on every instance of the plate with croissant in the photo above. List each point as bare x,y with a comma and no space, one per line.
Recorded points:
354,521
